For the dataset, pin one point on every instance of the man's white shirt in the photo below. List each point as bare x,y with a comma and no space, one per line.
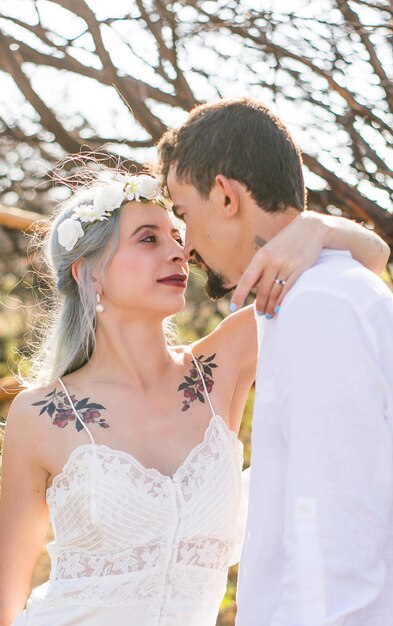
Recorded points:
319,538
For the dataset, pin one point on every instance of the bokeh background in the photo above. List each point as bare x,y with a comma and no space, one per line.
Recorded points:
83,76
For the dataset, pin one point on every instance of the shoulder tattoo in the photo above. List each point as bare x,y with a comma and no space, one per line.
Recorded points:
58,407
192,388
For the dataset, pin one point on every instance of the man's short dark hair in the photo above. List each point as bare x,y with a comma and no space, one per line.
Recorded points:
241,139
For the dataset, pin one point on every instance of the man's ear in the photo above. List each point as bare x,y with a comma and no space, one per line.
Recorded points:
77,270
227,189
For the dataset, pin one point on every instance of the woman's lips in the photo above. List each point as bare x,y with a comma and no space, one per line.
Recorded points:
177,280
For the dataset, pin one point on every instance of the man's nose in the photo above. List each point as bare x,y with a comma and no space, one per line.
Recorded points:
189,251
190,255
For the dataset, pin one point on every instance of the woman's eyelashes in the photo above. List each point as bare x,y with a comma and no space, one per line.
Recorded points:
154,239
149,239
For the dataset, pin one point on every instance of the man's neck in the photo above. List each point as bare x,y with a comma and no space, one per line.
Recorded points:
270,224
254,229
264,226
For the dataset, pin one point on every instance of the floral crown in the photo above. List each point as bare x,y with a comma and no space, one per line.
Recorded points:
108,198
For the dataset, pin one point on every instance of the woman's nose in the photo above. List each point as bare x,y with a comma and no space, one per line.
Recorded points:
177,253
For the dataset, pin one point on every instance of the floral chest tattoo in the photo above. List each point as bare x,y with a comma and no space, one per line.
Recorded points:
58,407
193,387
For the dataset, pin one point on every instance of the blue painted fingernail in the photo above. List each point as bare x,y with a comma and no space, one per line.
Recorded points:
233,307
260,313
277,309
268,316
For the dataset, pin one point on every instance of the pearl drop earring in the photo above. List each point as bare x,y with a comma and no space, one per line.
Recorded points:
99,306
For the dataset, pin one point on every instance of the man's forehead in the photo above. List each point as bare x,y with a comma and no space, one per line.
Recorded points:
175,184
176,192
177,209
171,179
177,223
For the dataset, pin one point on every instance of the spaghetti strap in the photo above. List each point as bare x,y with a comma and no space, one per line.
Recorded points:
204,384
78,417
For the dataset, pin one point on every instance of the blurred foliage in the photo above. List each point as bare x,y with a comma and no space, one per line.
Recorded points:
14,275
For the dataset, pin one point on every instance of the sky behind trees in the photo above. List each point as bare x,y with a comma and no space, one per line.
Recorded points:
115,75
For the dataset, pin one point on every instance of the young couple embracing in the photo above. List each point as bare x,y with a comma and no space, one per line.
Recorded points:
129,444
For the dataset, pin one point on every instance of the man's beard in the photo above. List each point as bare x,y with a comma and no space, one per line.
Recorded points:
215,284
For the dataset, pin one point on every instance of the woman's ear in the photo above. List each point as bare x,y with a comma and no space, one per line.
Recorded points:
77,269
226,187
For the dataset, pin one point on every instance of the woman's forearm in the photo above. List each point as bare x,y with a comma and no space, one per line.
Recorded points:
343,234
296,247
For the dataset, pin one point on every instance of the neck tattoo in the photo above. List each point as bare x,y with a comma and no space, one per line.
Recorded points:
258,242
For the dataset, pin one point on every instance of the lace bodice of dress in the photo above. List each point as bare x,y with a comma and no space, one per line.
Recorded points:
125,534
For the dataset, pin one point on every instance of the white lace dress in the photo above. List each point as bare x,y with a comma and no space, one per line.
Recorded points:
133,547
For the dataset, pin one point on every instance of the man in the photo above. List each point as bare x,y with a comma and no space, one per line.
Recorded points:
319,539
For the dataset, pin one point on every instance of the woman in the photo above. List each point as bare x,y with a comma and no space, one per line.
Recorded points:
128,444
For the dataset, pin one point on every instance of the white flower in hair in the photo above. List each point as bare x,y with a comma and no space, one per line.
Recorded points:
88,213
109,197
143,186
69,232
131,187
148,187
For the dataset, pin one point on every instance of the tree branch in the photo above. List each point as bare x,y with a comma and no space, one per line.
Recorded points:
364,208
69,63
48,119
263,42
139,109
19,219
182,87
352,19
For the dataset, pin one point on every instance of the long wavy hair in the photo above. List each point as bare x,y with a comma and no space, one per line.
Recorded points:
67,336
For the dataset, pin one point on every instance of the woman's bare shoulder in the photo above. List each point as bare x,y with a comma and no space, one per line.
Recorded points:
22,419
27,399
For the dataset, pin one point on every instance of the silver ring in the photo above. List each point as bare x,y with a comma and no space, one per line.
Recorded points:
280,281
